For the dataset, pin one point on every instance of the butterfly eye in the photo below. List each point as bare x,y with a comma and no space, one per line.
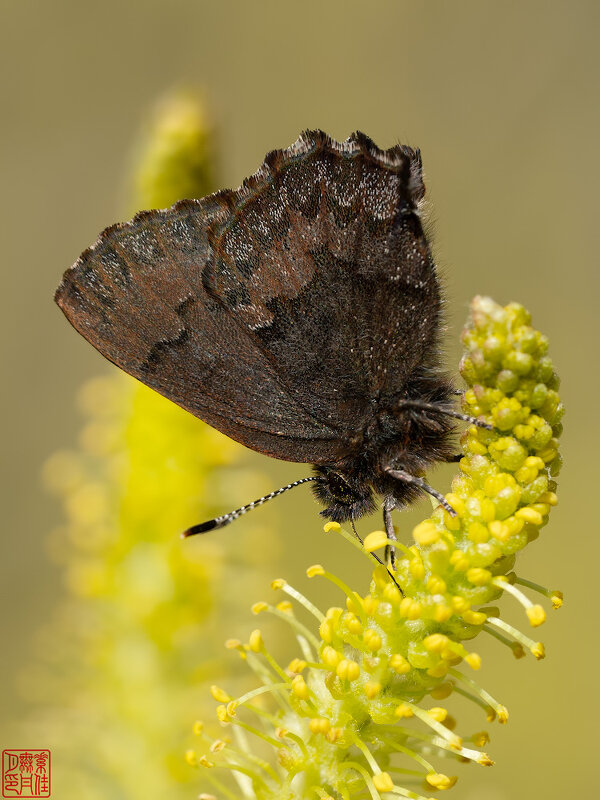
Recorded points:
341,489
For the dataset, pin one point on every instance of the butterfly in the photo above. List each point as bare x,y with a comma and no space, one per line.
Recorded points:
299,314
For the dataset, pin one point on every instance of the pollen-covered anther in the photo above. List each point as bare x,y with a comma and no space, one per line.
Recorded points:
502,713
371,604
375,540
258,608
205,762
478,532
319,725
438,713
299,687
326,631
223,714
353,624
399,664
255,642
436,585
372,689
457,503
198,728
232,708
403,711
334,735
548,497
191,757
538,650
557,599
536,615
460,604
220,695
372,640
315,570
474,617
296,665
426,533
440,781
417,569
484,760
441,612
383,782
460,561
392,594
479,576
281,732
473,660
347,670
435,642
500,530
217,746
331,657
410,609
279,583
480,739
528,514
285,606
233,644
331,526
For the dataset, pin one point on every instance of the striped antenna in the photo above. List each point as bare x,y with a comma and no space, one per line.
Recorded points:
220,522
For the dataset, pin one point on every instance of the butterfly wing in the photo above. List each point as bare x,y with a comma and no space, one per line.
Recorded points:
274,312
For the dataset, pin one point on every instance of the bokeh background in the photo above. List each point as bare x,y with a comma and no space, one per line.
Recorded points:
502,100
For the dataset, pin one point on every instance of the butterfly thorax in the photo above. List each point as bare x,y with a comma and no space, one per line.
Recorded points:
395,438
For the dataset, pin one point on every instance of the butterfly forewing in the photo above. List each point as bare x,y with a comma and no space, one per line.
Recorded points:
276,313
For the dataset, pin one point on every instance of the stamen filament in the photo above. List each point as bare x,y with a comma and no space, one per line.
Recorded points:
221,787
421,714
354,765
256,732
259,762
295,623
485,696
526,641
298,740
411,754
351,595
300,598
244,770
243,700
472,697
518,595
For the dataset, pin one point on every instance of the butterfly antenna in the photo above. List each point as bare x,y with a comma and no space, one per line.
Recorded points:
220,522
449,412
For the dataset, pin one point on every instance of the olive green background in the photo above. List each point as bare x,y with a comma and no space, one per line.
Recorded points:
502,98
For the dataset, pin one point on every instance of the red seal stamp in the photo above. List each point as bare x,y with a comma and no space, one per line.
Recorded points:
26,773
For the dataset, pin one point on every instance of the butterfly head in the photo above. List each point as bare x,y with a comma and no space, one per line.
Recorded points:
345,495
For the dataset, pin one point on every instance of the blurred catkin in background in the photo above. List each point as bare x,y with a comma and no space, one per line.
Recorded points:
120,669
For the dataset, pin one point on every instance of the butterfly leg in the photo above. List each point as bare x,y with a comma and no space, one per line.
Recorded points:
390,553
375,556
